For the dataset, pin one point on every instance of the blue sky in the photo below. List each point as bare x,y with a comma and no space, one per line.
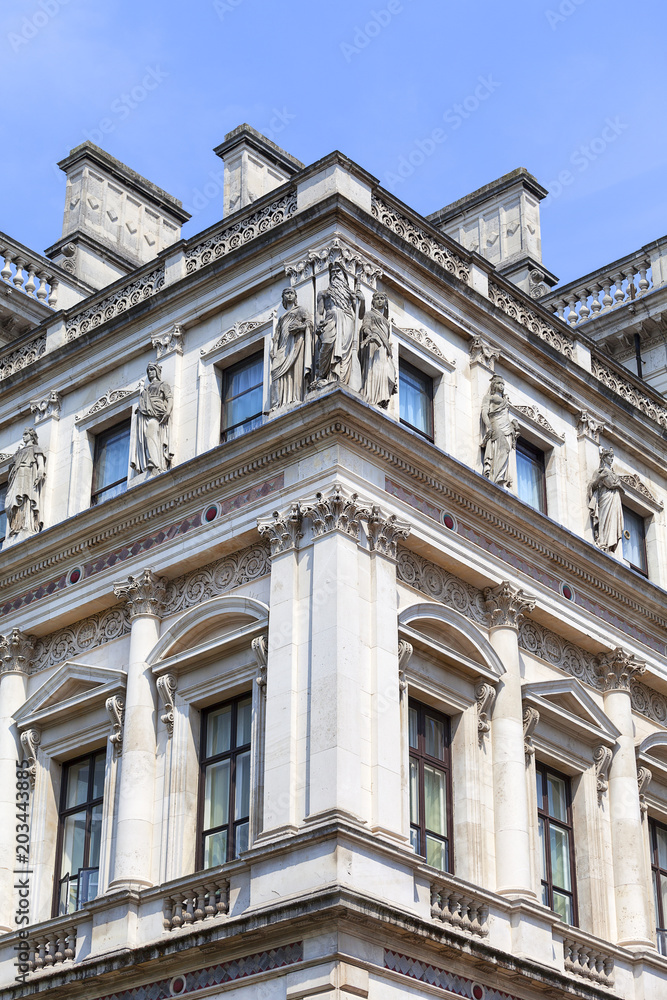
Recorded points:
574,86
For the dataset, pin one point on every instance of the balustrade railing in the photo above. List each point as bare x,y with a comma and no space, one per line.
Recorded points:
28,272
587,961
53,947
198,901
455,906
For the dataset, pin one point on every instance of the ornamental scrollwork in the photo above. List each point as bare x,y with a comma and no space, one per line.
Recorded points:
405,651
650,407
531,717
260,647
240,233
337,252
435,249
115,707
384,533
617,668
335,512
485,696
110,396
602,757
507,605
16,652
30,740
523,314
166,688
20,358
113,305
282,531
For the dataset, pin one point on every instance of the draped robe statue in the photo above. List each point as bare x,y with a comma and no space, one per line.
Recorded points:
605,492
499,435
377,366
151,450
291,353
337,309
24,487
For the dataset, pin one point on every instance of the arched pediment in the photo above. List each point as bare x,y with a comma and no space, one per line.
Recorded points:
446,633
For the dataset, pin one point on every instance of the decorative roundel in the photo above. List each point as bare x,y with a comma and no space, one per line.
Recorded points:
177,986
478,992
449,521
211,512
74,575
567,590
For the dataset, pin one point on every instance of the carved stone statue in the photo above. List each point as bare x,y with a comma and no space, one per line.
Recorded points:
291,353
151,451
338,311
499,433
605,492
377,366
24,488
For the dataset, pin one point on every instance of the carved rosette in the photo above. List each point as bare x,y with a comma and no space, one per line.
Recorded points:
115,707
405,651
260,647
30,741
602,756
166,688
644,775
530,719
617,668
16,651
384,533
283,531
145,594
506,605
485,695
334,512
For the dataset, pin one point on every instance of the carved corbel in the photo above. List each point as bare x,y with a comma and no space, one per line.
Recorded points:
115,707
169,342
485,695
30,741
530,719
166,688
282,530
506,605
335,512
16,650
51,406
260,647
384,533
405,651
587,426
483,353
145,594
616,669
644,775
602,756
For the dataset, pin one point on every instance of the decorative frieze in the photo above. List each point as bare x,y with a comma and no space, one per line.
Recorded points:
113,305
282,531
16,652
531,717
633,483
169,343
384,533
145,594
23,356
240,233
433,248
617,668
240,329
219,577
115,707
506,605
166,689
110,397
602,757
523,314
422,338
69,642
438,584
532,414
615,381
50,406
30,740
337,252
485,696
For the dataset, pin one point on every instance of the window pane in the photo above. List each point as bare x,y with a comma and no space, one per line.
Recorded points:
219,731
243,377
634,534
413,732
414,791
242,789
77,784
661,836
543,850
243,722
244,408
88,886
216,796
434,732
98,775
95,837
559,842
74,839
436,853
243,397
415,394
563,906
530,476
215,849
556,798
435,800
414,840
112,456
241,839
663,897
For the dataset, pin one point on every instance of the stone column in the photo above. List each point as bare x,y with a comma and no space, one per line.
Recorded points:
506,607
631,882
136,798
15,654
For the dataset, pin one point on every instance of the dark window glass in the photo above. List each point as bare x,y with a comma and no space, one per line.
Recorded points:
224,799
634,540
3,513
658,834
415,391
242,397
531,482
79,833
112,456
430,785
556,844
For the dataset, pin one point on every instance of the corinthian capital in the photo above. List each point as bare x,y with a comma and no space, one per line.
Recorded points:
16,652
506,605
617,668
145,594
282,530
334,512
384,533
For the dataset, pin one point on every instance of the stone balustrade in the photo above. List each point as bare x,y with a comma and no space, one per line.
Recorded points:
196,901
28,272
454,905
55,945
586,960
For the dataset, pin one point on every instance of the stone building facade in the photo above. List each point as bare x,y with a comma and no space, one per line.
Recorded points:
333,649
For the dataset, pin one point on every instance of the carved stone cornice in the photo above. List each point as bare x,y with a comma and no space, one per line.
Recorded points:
616,669
405,651
16,652
145,594
506,605
602,756
530,719
335,512
644,775
282,531
166,688
30,740
115,707
485,696
260,647
384,533
170,342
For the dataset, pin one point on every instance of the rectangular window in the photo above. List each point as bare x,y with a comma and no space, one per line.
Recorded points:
242,397
3,514
111,463
79,832
634,540
415,393
530,475
224,798
554,810
430,785
658,834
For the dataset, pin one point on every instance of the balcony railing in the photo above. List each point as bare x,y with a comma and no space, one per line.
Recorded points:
453,905
53,946
196,901
30,273
585,959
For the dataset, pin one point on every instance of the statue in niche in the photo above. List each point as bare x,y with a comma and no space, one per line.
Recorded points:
605,492
151,450
499,433
378,373
339,310
291,353
23,503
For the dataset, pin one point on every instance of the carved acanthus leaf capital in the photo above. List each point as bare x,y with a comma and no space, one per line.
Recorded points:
602,756
115,707
617,668
335,512
485,695
145,594
16,650
385,532
166,688
530,719
507,605
30,740
283,531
